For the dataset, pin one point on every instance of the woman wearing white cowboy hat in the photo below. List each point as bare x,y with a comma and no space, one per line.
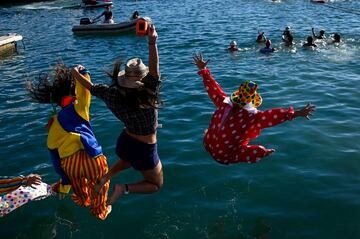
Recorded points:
237,120
134,98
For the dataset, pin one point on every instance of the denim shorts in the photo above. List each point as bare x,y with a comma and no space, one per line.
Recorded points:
141,156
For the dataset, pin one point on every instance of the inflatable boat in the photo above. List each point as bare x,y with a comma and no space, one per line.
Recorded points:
8,42
88,6
87,27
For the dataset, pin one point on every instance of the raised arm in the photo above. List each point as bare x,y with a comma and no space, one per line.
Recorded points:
83,96
214,90
313,32
80,78
153,52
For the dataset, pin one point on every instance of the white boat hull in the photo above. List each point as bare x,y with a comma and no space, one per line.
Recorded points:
107,27
10,38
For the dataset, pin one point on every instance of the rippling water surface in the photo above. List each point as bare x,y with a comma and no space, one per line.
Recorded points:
310,188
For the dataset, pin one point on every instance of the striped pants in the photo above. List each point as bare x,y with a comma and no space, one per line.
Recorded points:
84,172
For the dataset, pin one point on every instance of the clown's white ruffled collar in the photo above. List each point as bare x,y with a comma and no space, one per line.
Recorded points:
249,107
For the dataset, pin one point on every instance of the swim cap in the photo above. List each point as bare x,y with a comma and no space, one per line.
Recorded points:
233,43
246,94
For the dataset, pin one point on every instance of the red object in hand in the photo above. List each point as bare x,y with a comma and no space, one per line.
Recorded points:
141,27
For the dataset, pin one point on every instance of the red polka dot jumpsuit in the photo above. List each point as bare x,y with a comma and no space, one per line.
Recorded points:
232,128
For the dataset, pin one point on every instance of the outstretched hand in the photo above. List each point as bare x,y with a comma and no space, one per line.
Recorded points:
152,34
32,180
199,61
305,112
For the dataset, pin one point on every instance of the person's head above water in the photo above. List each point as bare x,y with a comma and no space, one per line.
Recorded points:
337,37
310,40
261,37
246,94
233,46
322,32
268,43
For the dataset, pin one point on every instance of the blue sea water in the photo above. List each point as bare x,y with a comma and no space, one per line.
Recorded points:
309,188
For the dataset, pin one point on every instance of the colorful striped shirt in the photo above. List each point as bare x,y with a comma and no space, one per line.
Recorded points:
8,184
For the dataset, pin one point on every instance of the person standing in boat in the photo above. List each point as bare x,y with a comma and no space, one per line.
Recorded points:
107,14
133,98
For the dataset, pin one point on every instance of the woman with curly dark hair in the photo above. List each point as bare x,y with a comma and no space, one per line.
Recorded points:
75,153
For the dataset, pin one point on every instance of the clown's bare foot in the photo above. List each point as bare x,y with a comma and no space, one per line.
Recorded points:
99,185
118,191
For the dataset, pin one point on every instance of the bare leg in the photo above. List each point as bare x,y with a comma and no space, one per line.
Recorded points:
153,181
115,169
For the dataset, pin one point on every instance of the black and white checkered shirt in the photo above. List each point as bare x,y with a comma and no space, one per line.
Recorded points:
140,121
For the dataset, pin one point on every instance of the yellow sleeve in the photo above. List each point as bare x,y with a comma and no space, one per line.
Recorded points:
83,99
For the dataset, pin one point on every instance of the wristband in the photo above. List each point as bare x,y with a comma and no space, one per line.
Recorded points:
84,71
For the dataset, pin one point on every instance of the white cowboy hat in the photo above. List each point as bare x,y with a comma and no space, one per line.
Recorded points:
135,71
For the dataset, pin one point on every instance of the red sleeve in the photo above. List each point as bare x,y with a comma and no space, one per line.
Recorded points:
274,117
214,90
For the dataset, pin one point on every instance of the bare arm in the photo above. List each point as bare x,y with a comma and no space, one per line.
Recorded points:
80,78
312,30
153,52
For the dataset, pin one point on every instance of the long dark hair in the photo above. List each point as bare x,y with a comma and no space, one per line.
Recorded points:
139,97
51,91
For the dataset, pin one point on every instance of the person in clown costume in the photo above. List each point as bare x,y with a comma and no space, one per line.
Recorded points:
75,153
237,120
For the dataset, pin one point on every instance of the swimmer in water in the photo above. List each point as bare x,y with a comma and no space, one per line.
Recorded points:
310,42
233,46
261,37
321,34
267,48
287,37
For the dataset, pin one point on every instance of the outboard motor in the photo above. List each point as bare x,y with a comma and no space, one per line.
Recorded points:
85,21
